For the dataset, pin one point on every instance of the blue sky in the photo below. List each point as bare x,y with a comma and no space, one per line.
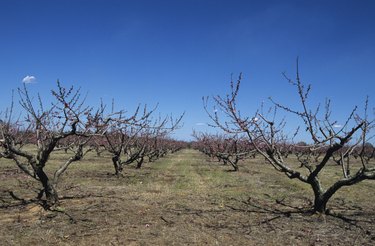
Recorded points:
175,52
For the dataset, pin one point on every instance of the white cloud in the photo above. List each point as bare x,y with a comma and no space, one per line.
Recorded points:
200,124
28,79
337,126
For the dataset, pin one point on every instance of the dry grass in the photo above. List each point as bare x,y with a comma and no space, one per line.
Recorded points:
183,199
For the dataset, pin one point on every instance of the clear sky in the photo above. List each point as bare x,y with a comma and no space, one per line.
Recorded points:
175,52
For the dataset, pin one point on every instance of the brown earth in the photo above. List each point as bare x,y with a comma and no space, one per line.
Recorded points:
183,199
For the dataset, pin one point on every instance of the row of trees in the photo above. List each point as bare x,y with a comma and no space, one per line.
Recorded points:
224,148
268,134
69,124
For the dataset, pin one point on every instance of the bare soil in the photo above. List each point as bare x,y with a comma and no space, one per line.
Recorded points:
183,199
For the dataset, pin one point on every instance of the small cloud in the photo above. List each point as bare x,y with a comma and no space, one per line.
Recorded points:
337,126
200,124
29,79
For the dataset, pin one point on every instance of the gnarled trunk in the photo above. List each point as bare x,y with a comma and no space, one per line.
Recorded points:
320,203
49,189
139,163
117,165
321,197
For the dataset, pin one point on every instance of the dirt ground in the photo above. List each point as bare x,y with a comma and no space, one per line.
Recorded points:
183,199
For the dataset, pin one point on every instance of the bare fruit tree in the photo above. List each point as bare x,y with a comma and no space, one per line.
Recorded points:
328,144
158,143
127,138
30,139
227,149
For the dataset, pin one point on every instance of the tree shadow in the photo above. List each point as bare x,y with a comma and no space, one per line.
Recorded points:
281,209
10,200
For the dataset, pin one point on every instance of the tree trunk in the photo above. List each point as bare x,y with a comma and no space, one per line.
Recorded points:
320,204
117,165
49,189
235,167
139,163
97,151
321,197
